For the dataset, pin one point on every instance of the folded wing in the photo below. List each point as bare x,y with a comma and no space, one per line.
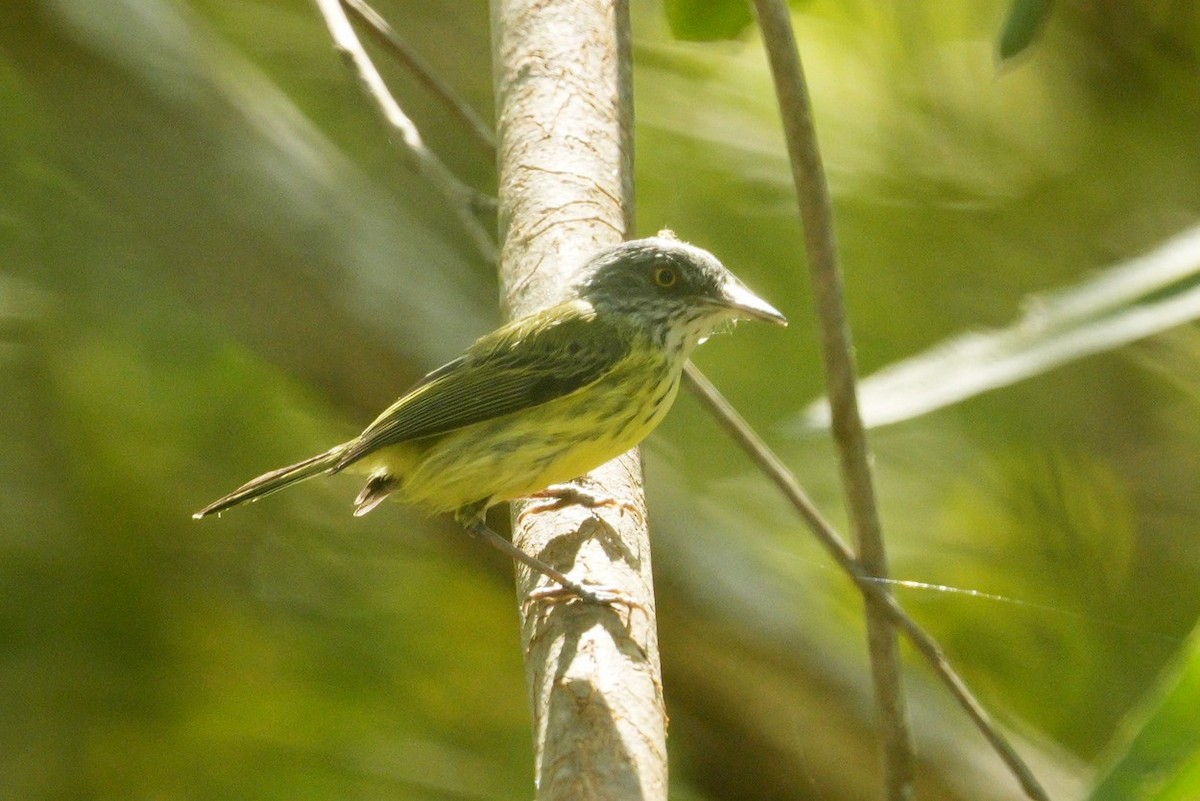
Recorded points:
517,367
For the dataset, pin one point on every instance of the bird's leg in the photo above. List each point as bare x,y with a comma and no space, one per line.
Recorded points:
567,588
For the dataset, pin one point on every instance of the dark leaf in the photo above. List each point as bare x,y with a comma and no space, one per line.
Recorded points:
1026,18
708,20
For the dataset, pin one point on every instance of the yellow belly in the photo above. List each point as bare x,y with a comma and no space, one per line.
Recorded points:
523,452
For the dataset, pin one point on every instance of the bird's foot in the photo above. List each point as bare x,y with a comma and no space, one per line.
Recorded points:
571,591
558,496
567,589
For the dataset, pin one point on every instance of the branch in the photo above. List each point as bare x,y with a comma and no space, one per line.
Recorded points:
463,199
870,586
564,113
816,214
595,680
425,74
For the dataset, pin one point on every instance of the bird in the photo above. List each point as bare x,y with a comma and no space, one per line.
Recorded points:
543,399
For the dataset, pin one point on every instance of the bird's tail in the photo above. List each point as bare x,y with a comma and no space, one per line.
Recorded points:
275,480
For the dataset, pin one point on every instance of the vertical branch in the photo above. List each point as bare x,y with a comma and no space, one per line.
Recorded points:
816,215
564,112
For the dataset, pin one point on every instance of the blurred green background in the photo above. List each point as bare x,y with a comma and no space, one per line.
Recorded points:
213,262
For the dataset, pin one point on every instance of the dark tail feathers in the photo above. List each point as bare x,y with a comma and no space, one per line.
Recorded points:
274,481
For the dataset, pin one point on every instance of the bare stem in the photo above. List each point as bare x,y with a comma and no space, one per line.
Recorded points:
463,199
869,585
816,213
421,70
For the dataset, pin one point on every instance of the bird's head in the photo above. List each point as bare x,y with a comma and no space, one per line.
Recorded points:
678,292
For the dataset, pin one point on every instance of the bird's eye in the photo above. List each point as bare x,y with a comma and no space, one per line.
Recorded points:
666,277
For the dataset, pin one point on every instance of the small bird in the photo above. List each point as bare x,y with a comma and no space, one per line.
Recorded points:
543,399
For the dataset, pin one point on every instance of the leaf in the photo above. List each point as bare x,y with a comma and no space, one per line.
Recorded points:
1026,18
1143,296
1161,761
708,20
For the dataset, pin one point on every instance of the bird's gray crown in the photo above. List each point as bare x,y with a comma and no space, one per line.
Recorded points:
658,271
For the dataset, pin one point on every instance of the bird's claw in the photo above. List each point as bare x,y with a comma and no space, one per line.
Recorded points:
598,596
558,496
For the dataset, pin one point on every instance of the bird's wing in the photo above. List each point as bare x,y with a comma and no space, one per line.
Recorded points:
519,366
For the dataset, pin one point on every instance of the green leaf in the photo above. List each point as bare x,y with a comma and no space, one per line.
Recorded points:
1136,299
1161,761
1025,20
708,20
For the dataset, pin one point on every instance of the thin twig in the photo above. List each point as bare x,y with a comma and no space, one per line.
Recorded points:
421,70
762,455
463,199
816,213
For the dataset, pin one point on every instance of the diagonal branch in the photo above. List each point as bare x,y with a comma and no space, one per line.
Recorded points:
463,199
770,463
424,73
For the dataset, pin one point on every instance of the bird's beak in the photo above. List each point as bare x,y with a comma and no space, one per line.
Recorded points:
745,303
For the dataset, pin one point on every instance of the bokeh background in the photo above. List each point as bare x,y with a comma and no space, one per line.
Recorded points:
213,262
